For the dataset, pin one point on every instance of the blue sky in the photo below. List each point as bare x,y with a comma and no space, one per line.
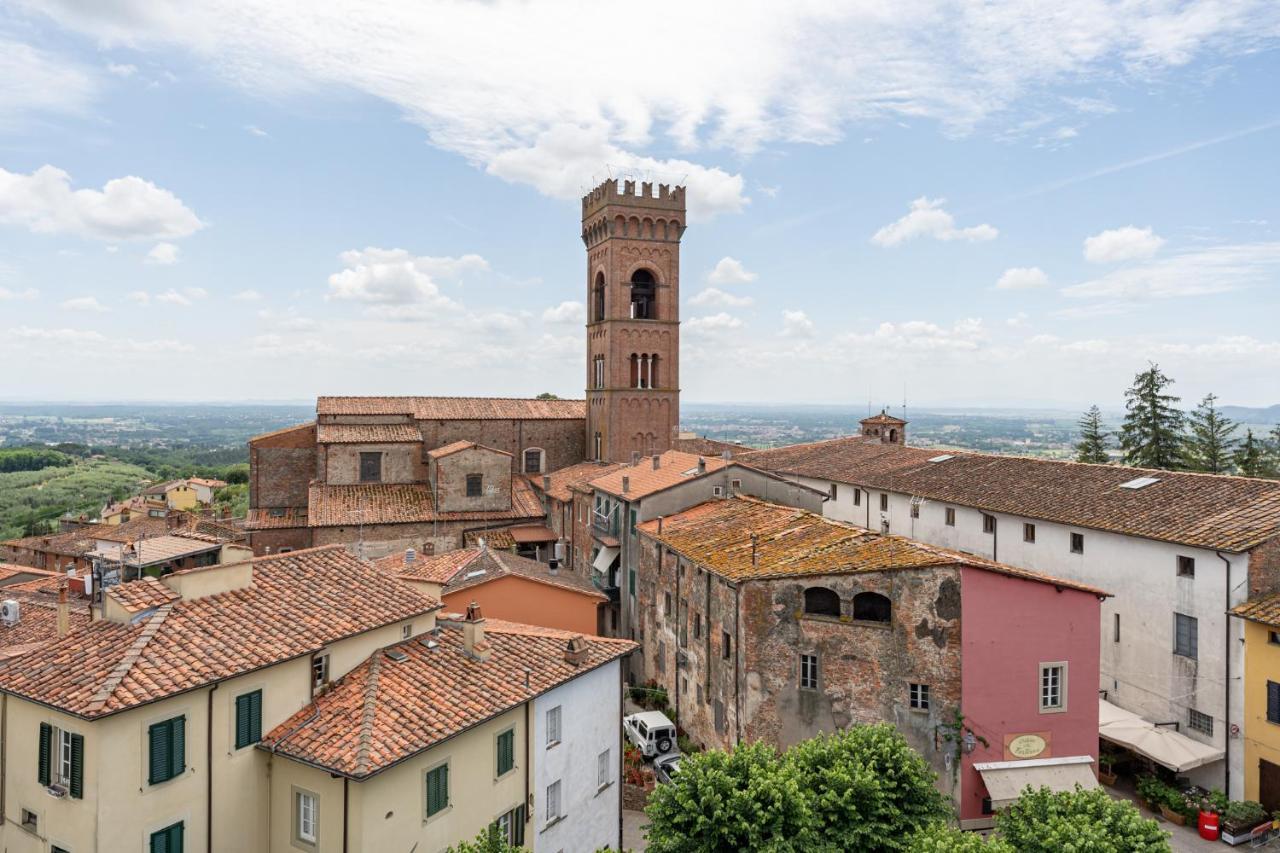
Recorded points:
1006,205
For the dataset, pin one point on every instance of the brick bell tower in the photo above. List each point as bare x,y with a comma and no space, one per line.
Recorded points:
633,318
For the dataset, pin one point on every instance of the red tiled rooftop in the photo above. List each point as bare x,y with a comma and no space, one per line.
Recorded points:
402,503
454,408
643,479
367,434
564,479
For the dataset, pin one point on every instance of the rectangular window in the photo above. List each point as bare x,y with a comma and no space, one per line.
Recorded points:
305,823
1116,634
808,672
437,789
30,820
475,485
1053,687
726,645
167,744
510,826
884,502
1186,567
1273,637
631,582
371,467
1028,532
857,497
167,840
950,516
718,714
1199,721
1186,636
553,802
602,770
633,522
533,461
1077,543
1273,702
988,523
248,719
553,726
406,631
666,603
919,697
684,633
736,485
833,491
506,749
697,626
61,760
319,671
660,662
915,509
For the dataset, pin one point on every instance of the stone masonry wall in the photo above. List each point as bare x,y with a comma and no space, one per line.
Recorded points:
561,440
451,481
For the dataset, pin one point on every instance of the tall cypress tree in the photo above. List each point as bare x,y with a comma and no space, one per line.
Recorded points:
1251,457
1151,436
1210,445
1273,453
1092,446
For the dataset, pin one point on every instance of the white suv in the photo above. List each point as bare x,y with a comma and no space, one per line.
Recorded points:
651,732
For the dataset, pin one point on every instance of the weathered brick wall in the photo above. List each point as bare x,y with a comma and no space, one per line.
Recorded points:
1264,568
281,467
383,539
401,463
271,541
451,474
562,440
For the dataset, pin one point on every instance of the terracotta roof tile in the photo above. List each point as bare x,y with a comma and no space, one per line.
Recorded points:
386,710
400,503
38,617
1265,610
489,564
367,434
266,518
643,479
1201,510
494,537
143,594
78,542
437,568
704,446
454,408
574,475
298,603
456,446
794,542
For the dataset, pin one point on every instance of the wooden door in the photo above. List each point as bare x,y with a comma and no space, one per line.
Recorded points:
1269,785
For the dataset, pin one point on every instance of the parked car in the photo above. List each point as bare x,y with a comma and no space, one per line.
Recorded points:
666,767
651,732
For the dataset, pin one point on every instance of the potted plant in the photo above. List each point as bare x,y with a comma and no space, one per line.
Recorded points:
1150,792
1240,819
1174,806
1106,768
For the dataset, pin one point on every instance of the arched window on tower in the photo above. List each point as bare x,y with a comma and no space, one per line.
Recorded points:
635,370
821,601
644,301
597,313
653,371
871,607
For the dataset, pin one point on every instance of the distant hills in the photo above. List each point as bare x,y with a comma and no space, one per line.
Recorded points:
1250,415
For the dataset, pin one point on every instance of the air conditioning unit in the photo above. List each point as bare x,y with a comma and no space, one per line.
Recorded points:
10,612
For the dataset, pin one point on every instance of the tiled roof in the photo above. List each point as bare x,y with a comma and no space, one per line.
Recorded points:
1201,510
494,537
38,620
454,408
160,549
456,446
704,446
643,479
794,542
11,573
202,481
882,418
403,503
298,603
143,594
437,568
262,518
75,543
385,710
573,475
367,433
488,565
282,431
1265,610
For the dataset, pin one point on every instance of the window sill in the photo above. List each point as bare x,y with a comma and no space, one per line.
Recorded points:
606,786
549,824
920,711
499,778
434,817
1053,710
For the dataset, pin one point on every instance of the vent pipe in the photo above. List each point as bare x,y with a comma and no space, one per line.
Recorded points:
626,484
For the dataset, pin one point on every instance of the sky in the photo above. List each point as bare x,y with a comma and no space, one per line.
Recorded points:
1011,204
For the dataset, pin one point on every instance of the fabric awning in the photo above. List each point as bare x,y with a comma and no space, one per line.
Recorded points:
1161,744
605,559
1006,780
531,533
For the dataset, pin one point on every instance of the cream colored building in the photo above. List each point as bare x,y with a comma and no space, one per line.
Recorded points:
130,734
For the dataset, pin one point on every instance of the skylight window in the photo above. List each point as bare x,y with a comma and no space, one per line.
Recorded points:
689,473
943,458
477,573
1140,483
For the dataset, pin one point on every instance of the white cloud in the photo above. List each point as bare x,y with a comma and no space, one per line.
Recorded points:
1122,244
730,271
38,82
1022,278
122,69
254,130
96,342
796,324
247,296
128,208
915,336
1214,270
85,303
185,297
565,312
713,296
276,345
26,294
1017,320
712,323
163,254
395,277
928,219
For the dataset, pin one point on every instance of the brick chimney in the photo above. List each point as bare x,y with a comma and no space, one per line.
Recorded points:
473,641
657,462
64,612
575,651
702,465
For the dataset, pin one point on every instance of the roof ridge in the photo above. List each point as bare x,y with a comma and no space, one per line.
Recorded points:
131,656
369,712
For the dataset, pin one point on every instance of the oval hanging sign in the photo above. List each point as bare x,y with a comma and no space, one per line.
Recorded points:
1027,746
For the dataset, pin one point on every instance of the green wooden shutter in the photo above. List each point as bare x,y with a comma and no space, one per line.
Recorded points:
248,719
77,766
255,715
519,827
178,759
159,744
506,752
46,746
168,840
160,841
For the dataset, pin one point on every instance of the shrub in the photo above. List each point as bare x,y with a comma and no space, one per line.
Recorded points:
939,838
488,841
1042,821
1244,813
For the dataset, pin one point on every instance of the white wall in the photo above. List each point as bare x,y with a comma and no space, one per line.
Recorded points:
1140,672
590,721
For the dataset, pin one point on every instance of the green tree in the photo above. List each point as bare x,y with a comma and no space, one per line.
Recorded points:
547,395
488,841
1042,821
1151,436
1092,446
747,799
940,838
1210,445
1273,453
1251,458
868,788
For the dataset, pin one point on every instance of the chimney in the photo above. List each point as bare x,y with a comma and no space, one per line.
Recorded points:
755,551
626,484
657,461
546,483
702,465
428,549
635,457
481,544
553,567
64,612
409,556
726,455
473,641
575,651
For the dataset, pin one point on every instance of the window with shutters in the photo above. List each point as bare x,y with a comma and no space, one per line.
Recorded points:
553,726
553,802
510,826
306,820
248,719
167,840
61,759
168,750
1273,702
1186,636
437,789
603,777
506,749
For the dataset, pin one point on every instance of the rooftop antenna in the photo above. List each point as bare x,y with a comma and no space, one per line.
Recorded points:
904,401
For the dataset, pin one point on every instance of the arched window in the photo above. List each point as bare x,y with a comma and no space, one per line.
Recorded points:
653,371
871,607
644,305
821,601
598,313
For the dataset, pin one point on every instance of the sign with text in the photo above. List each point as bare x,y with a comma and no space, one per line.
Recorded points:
1028,745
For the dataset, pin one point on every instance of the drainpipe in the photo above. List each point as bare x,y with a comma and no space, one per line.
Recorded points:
675,675
1226,675
208,758
867,492
622,747
4,744
528,756
345,780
